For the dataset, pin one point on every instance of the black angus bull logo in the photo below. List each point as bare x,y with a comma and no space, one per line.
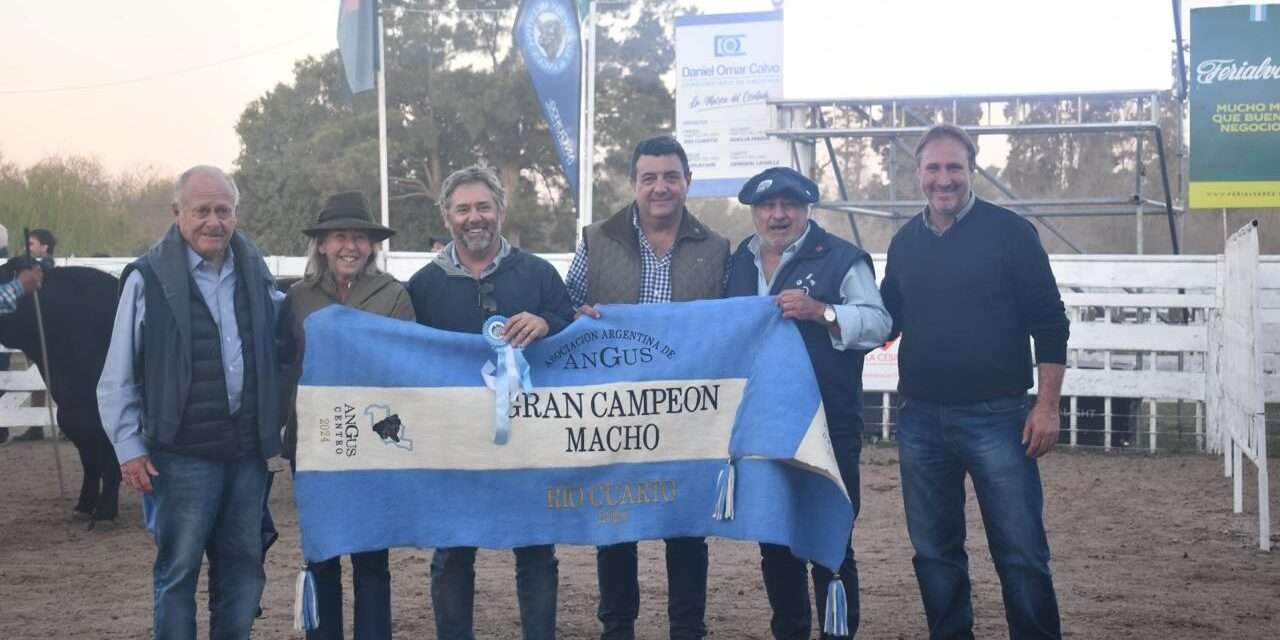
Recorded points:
388,426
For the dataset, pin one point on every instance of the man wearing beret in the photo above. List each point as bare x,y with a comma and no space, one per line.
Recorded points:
828,286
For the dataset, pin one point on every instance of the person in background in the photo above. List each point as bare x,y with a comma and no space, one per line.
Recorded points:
40,244
342,268
4,357
28,279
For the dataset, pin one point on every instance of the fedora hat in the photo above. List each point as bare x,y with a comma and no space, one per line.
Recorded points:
348,210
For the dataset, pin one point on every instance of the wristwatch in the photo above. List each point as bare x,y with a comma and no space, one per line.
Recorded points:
829,315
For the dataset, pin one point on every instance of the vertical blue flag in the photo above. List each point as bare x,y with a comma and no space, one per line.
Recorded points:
358,42
549,38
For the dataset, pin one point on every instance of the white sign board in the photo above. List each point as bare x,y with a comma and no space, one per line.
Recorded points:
880,368
848,48
727,68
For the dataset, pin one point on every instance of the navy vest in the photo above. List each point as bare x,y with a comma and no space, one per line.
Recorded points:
819,266
207,428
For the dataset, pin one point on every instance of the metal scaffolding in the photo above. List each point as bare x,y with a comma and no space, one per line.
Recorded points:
803,123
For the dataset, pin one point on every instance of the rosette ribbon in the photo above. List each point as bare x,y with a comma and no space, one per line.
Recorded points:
507,374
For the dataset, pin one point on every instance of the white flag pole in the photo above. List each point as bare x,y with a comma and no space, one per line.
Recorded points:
586,124
382,140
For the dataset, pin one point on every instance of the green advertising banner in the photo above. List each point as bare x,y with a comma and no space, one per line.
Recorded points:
1235,106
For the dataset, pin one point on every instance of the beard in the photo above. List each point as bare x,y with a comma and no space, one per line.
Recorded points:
476,244
959,198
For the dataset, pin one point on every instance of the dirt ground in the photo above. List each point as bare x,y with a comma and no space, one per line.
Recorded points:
1143,547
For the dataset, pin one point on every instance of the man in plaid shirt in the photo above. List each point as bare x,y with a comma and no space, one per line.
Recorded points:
11,292
651,251
26,281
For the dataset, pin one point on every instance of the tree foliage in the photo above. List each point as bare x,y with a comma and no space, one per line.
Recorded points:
1092,166
458,93
88,210
1032,166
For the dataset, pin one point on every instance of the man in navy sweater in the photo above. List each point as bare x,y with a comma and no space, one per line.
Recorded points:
828,286
476,276
967,284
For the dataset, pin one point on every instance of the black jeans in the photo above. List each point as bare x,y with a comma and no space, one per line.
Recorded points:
616,567
784,574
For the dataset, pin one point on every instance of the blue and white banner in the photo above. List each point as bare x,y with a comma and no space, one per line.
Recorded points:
631,421
550,41
727,68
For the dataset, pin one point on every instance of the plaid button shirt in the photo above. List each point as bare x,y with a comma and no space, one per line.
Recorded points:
655,271
10,293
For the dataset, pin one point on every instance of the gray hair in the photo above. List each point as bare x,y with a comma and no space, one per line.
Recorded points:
472,175
318,266
204,170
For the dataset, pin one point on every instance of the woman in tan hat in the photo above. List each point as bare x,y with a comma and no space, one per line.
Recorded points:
342,268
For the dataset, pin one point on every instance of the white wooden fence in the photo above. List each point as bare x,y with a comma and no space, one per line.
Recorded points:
1140,335
1236,406
1140,338
16,412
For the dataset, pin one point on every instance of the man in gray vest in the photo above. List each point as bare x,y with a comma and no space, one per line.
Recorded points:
651,251
188,398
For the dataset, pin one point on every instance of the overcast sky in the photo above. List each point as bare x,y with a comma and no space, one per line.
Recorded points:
161,83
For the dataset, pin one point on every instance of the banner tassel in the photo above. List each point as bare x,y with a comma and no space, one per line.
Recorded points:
724,492
305,615
836,620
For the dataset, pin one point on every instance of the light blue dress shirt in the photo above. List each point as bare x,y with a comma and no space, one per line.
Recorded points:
864,322
119,390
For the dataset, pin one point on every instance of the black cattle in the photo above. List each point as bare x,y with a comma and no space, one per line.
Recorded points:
78,305
1091,421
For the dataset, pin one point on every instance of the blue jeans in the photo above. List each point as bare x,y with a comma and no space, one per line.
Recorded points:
784,574
617,572
201,503
453,589
938,445
371,579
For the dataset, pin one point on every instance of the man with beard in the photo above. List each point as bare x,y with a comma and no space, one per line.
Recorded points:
828,286
651,251
968,285
476,276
